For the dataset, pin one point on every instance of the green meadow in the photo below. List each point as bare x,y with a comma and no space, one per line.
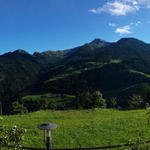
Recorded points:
90,128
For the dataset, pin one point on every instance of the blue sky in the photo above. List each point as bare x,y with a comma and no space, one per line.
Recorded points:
39,25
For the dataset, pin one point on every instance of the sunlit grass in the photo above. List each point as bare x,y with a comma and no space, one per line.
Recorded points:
140,73
90,128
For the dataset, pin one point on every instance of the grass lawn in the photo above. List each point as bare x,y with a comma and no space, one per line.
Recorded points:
91,128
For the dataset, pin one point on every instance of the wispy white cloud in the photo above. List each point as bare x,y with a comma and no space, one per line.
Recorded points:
134,2
121,7
127,29
118,8
112,24
144,3
135,23
124,30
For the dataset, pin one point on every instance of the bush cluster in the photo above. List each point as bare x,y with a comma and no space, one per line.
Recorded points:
87,100
12,137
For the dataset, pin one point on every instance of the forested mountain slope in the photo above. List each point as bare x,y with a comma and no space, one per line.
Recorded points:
117,69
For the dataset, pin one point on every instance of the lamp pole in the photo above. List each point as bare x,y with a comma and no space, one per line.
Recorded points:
47,127
48,139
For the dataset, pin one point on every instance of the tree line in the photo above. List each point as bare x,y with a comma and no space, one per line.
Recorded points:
83,100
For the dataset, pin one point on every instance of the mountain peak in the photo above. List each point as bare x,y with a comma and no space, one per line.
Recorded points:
98,41
128,40
20,51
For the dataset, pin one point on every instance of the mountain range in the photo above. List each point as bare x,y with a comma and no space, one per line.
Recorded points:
117,69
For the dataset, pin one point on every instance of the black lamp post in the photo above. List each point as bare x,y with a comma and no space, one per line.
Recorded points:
48,127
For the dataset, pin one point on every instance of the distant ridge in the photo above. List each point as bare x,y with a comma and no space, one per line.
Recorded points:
118,69
97,42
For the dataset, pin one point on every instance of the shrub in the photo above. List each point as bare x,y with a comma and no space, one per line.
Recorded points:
11,137
147,96
112,103
98,100
88,100
18,108
84,100
136,102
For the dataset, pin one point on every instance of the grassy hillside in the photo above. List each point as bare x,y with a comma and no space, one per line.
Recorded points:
109,67
118,69
95,127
